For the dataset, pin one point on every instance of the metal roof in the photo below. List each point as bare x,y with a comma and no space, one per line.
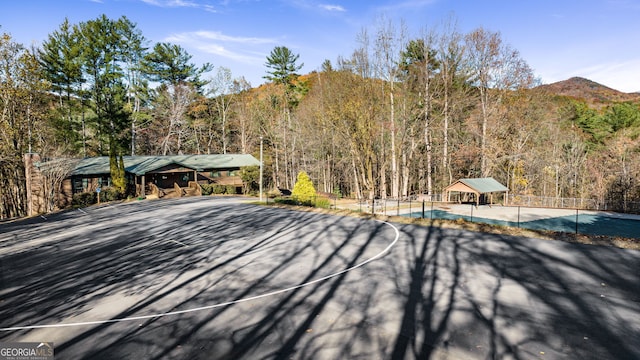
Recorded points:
484,185
141,165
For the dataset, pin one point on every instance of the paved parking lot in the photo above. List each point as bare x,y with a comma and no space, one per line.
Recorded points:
217,278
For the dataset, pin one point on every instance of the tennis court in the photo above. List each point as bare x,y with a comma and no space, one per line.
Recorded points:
564,220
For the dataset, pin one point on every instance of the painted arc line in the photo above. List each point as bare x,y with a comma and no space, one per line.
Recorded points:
209,307
179,243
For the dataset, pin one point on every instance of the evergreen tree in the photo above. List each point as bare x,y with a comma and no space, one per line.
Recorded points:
61,63
303,190
170,64
180,82
103,59
282,63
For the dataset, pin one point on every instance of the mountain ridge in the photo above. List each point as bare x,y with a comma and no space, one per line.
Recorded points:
590,91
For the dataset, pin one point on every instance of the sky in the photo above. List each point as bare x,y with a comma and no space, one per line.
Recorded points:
559,39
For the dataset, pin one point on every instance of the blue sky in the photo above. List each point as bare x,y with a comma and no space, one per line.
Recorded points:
595,39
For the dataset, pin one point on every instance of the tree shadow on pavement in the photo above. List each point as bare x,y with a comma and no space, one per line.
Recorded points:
438,293
477,296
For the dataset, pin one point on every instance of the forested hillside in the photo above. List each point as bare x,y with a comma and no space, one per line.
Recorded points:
401,115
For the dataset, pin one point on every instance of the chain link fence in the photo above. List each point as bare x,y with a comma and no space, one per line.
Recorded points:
579,216
630,207
563,215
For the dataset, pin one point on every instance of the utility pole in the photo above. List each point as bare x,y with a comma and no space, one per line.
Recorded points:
261,168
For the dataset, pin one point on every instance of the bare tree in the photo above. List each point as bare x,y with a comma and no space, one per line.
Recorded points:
388,47
223,92
496,68
243,121
53,173
172,103
450,55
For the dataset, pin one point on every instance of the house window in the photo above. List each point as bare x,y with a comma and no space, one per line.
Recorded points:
234,172
77,185
80,185
104,181
215,174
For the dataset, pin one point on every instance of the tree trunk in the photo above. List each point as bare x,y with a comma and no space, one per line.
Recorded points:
395,174
483,139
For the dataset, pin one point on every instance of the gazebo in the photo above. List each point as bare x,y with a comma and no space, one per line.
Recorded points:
478,186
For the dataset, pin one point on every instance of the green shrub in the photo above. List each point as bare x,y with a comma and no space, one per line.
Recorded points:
285,201
293,201
323,202
207,189
83,199
230,189
111,194
337,193
250,176
219,189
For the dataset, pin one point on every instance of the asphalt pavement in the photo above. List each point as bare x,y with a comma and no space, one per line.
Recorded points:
220,278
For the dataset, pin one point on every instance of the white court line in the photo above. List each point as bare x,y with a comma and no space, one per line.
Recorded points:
209,307
178,242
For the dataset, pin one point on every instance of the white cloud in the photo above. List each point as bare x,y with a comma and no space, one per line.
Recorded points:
248,50
333,7
408,4
622,76
180,3
216,35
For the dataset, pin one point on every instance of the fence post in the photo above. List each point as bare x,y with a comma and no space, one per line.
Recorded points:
422,208
410,206
431,210
518,217
471,212
576,222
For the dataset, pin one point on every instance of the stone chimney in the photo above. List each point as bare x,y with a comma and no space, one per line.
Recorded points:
33,177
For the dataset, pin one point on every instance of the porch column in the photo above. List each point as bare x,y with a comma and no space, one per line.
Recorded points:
144,183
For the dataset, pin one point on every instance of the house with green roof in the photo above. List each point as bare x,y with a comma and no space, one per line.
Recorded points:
146,174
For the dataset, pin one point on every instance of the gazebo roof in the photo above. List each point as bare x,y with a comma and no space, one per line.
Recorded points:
479,185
